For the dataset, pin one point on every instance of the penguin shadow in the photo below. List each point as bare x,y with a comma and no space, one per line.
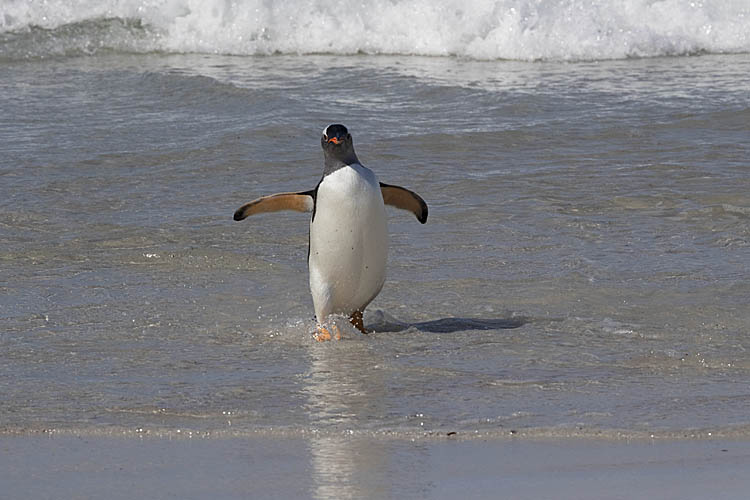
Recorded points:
380,322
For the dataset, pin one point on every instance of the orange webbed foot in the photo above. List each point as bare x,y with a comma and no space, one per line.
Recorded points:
323,334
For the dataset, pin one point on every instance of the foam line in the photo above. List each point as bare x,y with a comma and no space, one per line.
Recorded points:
479,29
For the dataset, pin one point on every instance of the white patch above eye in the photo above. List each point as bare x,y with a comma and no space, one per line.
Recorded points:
325,131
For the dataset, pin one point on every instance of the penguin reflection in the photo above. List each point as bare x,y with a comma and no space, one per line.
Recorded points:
346,397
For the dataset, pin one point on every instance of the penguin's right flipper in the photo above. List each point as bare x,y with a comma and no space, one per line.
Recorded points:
405,200
299,202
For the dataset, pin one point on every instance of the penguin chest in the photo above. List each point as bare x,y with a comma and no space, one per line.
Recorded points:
348,241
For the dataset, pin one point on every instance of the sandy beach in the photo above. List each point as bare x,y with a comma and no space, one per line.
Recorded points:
47,467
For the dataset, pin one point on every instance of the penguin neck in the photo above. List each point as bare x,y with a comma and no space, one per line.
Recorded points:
334,163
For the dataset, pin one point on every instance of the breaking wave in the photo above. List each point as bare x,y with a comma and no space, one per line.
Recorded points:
479,29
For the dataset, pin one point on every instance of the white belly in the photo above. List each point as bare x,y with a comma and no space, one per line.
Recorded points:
348,242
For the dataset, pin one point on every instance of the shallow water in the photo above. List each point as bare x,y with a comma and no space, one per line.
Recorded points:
583,270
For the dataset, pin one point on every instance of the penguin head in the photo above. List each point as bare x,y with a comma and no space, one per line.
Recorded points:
338,147
337,141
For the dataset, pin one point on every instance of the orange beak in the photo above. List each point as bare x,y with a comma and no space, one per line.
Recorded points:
334,140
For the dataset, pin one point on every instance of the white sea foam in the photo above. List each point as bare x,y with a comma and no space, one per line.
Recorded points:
482,29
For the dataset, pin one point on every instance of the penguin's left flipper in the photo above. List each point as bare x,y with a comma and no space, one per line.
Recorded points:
405,200
299,202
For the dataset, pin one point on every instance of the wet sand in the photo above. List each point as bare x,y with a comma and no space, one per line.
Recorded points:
41,467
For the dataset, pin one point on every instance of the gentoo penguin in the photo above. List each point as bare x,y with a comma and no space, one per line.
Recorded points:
348,229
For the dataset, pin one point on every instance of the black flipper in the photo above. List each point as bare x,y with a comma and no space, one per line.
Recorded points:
404,199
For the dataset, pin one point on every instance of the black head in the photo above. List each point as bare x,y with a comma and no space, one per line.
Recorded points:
338,146
335,135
